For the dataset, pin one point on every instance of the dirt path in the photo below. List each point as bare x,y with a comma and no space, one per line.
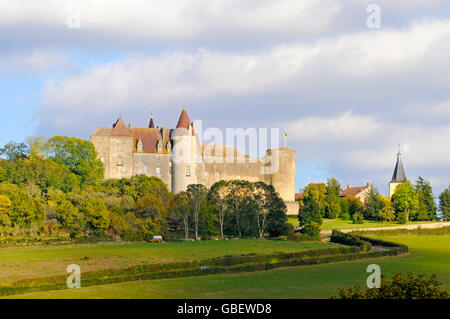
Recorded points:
413,226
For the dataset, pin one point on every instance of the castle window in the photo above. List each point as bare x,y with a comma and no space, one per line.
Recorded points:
158,171
188,171
120,148
124,169
217,174
140,146
159,146
119,161
145,169
206,173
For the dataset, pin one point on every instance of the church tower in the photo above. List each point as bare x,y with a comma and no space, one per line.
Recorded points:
399,175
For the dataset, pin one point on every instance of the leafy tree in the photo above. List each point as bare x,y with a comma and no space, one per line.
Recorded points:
153,208
14,151
217,198
345,208
405,200
179,211
426,199
333,186
5,209
309,211
277,220
410,287
79,156
97,216
25,211
239,194
387,212
197,194
144,185
67,215
373,209
318,192
37,146
356,207
444,203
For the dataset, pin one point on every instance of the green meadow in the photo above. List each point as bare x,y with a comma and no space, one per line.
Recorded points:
428,254
329,224
44,261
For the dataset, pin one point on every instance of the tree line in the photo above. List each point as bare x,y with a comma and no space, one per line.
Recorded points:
409,203
56,187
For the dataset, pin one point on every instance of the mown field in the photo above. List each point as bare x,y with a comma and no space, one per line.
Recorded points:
329,224
44,261
428,254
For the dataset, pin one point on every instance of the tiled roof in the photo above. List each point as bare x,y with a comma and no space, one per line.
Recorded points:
150,138
120,129
352,191
298,196
184,120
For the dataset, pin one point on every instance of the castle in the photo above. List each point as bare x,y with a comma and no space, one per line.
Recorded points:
177,157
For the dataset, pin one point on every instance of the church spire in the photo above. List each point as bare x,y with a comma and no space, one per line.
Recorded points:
399,175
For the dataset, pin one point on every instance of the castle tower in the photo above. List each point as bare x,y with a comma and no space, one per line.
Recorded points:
184,154
282,175
399,175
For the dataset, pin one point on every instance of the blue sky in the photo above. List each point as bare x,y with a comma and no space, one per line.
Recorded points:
347,94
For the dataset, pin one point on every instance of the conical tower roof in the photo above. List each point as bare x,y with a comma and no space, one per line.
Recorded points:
399,175
120,129
151,124
184,120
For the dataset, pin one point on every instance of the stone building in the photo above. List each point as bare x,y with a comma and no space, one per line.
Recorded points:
399,175
360,192
178,159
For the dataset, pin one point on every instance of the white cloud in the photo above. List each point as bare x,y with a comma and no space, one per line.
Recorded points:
342,128
338,64
32,62
173,19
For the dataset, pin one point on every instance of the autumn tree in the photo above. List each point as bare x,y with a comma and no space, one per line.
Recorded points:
197,194
405,201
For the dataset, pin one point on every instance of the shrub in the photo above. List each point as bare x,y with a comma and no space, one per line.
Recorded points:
409,287
311,230
402,217
357,218
348,239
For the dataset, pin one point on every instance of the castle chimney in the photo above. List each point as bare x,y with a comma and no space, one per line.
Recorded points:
348,185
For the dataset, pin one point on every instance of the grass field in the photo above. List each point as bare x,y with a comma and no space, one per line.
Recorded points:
329,224
429,254
44,261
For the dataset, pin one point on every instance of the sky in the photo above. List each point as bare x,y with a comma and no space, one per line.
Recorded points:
348,85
